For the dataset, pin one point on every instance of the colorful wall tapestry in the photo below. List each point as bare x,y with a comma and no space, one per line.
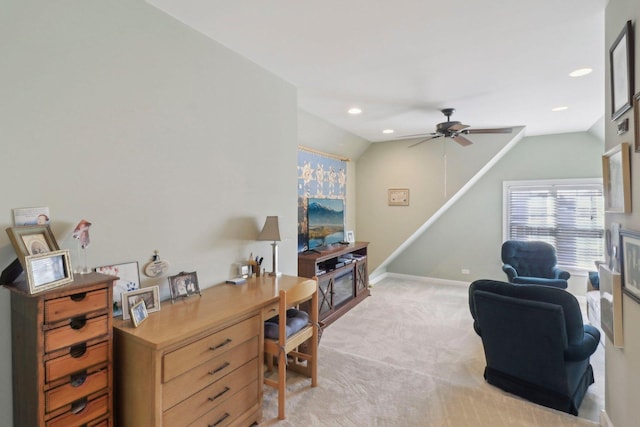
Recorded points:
319,176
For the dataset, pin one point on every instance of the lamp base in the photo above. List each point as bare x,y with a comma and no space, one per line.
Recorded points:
278,274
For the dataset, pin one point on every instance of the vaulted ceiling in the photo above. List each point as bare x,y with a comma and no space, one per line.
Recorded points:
498,62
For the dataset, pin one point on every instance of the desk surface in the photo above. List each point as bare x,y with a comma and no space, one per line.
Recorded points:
217,305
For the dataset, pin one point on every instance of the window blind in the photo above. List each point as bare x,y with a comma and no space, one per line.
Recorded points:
568,216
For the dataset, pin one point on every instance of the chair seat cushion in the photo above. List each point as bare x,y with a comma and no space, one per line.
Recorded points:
296,320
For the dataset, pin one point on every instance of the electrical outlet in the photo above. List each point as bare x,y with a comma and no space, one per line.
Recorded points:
466,271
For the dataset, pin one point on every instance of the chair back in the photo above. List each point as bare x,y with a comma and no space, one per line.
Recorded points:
533,258
304,293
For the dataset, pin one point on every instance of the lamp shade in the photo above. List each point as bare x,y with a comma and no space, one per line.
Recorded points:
271,230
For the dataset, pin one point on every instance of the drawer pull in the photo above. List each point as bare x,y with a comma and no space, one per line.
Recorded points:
78,297
78,323
78,379
224,417
215,347
78,406
217,396
220,368
78,350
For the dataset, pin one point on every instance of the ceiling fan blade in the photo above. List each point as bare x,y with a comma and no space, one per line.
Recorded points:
496,130
418,135
462,140
458,127
425,140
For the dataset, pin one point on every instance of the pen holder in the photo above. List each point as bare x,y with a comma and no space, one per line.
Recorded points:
255,268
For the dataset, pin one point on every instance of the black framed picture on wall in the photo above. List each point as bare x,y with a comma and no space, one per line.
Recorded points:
621,69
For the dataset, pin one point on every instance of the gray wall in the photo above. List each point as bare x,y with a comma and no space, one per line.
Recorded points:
469,235
622,369
114,112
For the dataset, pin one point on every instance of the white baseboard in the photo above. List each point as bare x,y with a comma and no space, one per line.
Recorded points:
604,419
434,280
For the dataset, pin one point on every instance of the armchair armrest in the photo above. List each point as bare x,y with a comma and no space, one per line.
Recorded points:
585,348
560,274
511,272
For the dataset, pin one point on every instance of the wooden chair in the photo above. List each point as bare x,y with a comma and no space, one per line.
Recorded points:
303,359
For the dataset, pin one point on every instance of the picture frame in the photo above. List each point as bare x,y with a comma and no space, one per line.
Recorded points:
398,197
350,237
128,280
611,304
636,122
621,70
32,240
138,313
630,263
183,285
150,296
48,270
616,176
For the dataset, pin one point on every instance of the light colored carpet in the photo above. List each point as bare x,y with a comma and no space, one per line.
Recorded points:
408,356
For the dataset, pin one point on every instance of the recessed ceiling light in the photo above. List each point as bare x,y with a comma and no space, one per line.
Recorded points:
354,110
580,72
563,108
387,131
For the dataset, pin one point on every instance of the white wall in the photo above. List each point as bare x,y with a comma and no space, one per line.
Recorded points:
163,139
622,370
469,235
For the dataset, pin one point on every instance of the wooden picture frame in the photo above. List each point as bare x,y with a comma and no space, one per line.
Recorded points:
611,304
138,313
636,122
150,296
32,240
616,176
398,197
621,70
183,285
630,263
48,270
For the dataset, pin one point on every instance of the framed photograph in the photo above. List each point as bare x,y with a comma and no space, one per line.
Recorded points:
129,280
150,296
621,70
350,237
630,263
611,304
31,216
636,122
616,176
183,285
138,313
32,240
398,197
48,270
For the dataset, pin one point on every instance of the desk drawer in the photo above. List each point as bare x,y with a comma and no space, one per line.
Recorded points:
198,352
180,388
78,330
270,311
212,396
83,414
75,305
78,359
224,415
74,390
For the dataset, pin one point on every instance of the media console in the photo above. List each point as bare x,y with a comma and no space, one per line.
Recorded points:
343,279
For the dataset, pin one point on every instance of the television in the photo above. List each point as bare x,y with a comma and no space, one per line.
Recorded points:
325,221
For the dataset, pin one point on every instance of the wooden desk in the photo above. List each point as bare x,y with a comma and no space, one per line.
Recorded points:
198,361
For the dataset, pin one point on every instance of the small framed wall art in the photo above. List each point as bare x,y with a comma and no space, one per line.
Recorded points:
48,270
616,175
32,240
398,197
183,285
150,296
636,122
621,68
630,263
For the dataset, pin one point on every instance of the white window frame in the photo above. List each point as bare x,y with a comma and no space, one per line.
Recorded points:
542,183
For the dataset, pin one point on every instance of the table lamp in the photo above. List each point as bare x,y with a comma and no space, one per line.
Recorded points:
271,232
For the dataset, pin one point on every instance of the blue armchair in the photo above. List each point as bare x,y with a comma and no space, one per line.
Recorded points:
535,343
532,263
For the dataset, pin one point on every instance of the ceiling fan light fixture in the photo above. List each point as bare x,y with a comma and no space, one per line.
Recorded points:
581,72
354,111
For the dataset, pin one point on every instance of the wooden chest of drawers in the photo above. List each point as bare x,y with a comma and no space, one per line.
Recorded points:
62,354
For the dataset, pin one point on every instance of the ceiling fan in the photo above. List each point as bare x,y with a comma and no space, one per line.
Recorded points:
455,130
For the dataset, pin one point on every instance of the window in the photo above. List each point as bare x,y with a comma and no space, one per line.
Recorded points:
569,214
